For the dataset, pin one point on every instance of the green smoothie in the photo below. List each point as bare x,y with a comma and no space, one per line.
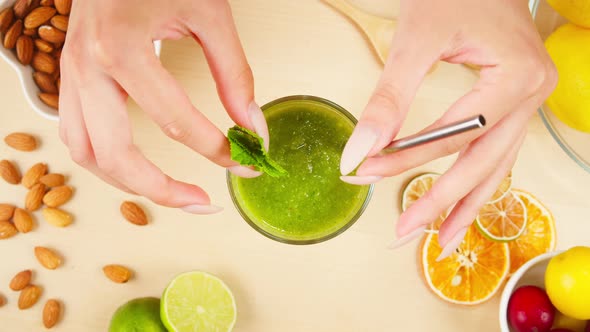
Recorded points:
311,203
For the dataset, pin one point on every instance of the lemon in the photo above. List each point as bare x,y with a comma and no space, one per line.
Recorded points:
569,47
576,11
567,281
198,302
141,314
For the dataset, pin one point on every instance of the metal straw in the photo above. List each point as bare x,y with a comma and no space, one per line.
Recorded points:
435,134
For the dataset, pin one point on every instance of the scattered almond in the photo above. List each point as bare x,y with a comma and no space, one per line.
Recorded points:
23,221
7,230
6,17
53,180
34,198
21,141
6,212
117,273
60,22
51,34
9,172
2,300
133,213
48,258
33,175
50,99
44,46
57,217
58,196
44,62
51,313
21,280
39,16
29,296
63,6
12,34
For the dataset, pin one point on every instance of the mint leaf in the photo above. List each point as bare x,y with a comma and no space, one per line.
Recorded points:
247,148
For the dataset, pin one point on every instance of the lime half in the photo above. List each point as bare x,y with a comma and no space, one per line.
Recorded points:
198,302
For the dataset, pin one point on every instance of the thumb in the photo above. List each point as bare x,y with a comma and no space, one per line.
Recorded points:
405,68
230,69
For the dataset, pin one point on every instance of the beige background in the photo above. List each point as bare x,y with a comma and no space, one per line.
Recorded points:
351,283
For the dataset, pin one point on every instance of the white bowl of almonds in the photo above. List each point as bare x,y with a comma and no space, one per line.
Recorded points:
32,33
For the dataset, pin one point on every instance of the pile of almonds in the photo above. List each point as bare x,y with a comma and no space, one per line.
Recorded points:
49,190
36,31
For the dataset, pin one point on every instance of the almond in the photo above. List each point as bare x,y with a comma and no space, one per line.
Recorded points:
133,213
63,6
6,212
50,99
22,8
23,221
57,217
30,32
51,313
12,34
117,273
44,62
21,141
33,175
21,280
44,82
6,17
34,198
48,258
46,3
2,300
24,49
7,230
60,22
53,180
58,196
9,172
29,296
39,16
44,46
51,34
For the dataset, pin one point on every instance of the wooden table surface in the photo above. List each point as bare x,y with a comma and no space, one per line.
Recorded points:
350,283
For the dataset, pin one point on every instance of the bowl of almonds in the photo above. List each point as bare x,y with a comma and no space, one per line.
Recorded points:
32,34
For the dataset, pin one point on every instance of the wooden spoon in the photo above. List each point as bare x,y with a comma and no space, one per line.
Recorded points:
378,30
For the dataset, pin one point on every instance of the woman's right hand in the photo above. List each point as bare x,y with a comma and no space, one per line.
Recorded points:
109,55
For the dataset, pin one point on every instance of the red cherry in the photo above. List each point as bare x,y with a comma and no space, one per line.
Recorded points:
530,310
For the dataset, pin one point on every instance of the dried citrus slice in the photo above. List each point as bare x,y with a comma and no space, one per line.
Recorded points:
415,189
503,189
504,220
472,274
539,235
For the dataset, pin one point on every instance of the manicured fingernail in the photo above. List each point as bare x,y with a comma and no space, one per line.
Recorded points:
361,180
259,123
361,142
407,238
452,245
202,209
243,171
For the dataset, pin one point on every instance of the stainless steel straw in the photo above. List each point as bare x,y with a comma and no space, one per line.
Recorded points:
435,134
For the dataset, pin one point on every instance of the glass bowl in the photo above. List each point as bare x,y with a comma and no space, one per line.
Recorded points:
350,210
575,143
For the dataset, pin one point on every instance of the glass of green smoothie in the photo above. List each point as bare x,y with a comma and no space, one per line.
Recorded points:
310,204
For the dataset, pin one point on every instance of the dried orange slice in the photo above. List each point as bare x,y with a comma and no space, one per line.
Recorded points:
503,189
472,274
504,220
415,189
539,235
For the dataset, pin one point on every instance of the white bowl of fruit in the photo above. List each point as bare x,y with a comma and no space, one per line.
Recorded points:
550,293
